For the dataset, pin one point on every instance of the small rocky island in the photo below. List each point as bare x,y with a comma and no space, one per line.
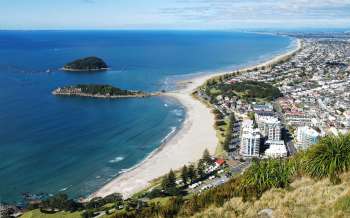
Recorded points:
86,64
99,91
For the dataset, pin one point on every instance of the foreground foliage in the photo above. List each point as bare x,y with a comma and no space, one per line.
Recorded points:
288,186
329,158
264,175
305,198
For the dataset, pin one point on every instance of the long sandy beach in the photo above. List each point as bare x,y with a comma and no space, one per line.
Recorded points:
196,134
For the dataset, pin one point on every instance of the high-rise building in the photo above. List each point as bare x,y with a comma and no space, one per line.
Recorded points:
306,136
250,140
270,127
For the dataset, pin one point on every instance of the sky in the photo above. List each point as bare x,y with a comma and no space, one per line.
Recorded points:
173,14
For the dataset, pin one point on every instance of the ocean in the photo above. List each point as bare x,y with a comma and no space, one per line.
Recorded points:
51,144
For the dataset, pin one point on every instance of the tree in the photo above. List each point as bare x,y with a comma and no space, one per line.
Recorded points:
192,173
184,174
112,198
206,157
201,168
169,184
171,179
164,183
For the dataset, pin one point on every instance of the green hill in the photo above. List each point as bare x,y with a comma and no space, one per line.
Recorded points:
304,198
86,64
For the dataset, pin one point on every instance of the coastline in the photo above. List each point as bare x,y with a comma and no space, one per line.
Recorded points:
104,96
87,70
187,145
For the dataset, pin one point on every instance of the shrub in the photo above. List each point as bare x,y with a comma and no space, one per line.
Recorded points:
329,158
264,175
155,193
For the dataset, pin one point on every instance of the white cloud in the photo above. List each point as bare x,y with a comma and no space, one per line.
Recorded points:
228,12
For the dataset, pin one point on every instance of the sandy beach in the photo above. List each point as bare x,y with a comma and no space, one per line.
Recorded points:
196,134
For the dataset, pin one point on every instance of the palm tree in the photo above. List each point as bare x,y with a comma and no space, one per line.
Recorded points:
329,158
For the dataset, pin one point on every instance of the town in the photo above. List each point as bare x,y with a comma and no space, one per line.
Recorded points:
266,112
313,102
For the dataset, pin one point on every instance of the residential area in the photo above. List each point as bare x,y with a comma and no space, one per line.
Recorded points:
313,101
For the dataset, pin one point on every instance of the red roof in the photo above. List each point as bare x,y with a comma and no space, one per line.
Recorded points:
220,161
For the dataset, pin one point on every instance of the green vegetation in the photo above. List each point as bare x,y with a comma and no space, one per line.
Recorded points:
261,177
60,202
329,158
169,184
192,174
86,64
94,89
38,214
184,174
264,175
228,133
245,90
61,206
343,204
252,89
269,183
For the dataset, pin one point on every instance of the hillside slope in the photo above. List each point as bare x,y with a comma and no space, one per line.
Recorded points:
304,198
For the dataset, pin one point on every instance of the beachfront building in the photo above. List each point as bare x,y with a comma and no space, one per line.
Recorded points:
306,136
270,127
277,149
250,139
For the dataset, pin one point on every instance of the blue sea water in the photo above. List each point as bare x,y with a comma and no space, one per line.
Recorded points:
75,145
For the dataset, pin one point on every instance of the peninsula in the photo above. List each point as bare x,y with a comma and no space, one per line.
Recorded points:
99,91
86,64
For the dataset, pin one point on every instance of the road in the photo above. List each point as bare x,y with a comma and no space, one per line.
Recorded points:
223,178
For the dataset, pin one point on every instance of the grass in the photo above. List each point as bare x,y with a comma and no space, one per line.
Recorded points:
264,175
214,91
37,214
305,198
160,200
220,152
329,158
343,204
320,187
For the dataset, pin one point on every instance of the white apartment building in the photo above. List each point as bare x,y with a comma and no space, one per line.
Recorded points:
250,140
277,149
270,127
306,136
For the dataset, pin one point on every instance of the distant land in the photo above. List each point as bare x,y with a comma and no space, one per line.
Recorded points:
98,91
86,64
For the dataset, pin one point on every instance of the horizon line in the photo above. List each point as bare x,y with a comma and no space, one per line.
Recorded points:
177,29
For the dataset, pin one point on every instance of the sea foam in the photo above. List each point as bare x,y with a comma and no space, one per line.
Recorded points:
117,159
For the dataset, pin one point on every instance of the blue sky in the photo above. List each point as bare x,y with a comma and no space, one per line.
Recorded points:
172,14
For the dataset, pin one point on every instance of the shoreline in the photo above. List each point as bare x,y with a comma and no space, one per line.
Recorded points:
196,134
87,70
84,95
175,152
